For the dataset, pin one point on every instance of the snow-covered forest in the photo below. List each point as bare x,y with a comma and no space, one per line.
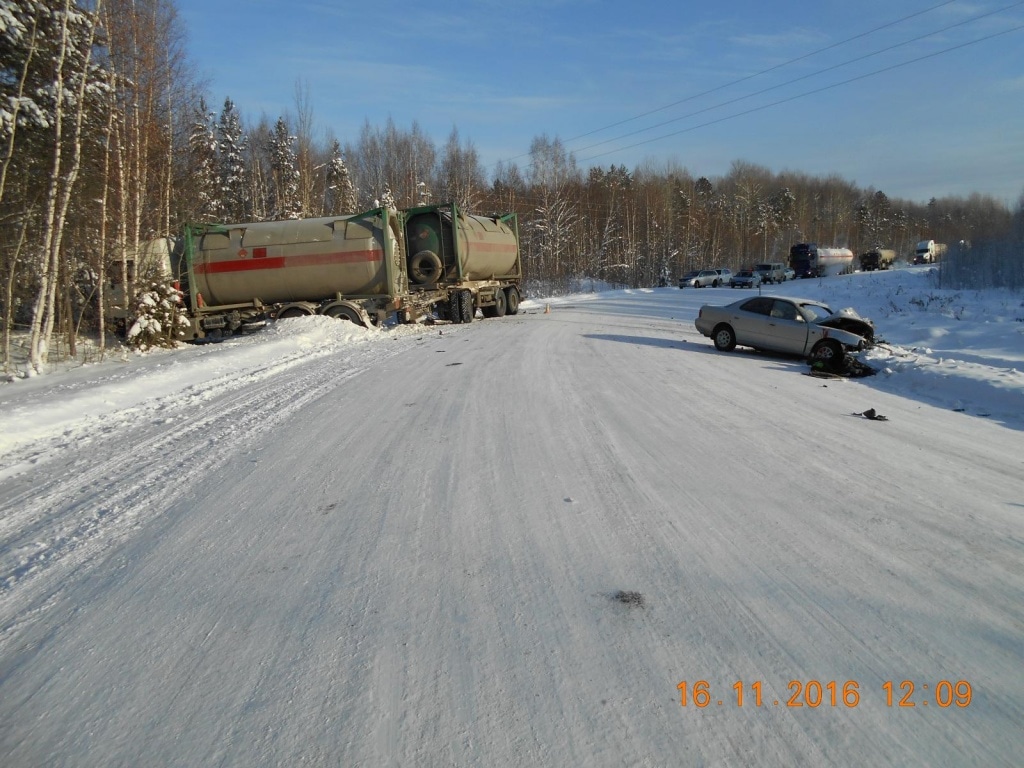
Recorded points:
136,146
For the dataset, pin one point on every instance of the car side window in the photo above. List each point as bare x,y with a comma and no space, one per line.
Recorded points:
761,305
784,310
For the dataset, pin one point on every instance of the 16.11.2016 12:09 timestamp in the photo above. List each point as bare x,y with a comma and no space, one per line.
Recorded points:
813,694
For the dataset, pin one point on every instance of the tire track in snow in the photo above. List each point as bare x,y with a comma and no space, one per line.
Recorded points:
54,528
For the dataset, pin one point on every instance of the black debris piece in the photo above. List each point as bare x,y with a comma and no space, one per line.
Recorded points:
848,367
871,414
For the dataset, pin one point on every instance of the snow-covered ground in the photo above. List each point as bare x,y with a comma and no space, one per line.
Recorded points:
509,542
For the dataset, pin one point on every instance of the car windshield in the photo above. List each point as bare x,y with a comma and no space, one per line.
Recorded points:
691,274
815,312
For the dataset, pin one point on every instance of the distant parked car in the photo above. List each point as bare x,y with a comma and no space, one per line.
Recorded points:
699,278
784,324
724,275
790,273
745,278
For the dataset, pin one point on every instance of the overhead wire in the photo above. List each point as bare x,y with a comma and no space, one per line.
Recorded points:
810,93
789,82
762,72
804,77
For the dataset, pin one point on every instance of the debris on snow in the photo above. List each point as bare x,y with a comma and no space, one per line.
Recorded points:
630,598
871,414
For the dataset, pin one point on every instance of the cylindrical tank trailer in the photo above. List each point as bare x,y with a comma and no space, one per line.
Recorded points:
297,260
411,264
479,248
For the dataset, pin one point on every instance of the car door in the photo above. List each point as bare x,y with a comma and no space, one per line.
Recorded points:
750,321
786,329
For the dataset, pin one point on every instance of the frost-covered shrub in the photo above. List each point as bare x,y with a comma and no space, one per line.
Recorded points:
158,318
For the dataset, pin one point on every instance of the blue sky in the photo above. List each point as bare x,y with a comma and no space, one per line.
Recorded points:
898,96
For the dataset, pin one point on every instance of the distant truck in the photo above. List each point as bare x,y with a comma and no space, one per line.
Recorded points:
928,252
152,261
809,260
877,258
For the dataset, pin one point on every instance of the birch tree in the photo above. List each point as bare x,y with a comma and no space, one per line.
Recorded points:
71,68
552,174
460,175
19,24
305,161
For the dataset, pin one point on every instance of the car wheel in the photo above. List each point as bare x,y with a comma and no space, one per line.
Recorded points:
829,354
724,337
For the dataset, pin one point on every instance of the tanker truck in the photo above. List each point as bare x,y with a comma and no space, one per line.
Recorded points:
359,268
810,260
877,258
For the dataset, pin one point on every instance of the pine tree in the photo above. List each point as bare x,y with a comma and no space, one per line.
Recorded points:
341,195
231,147
284,188
202,149
387,198
157,318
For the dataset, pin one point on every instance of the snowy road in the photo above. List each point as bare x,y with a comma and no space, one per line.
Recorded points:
507,544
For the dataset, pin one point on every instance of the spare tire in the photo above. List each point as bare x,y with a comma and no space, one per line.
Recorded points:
425,267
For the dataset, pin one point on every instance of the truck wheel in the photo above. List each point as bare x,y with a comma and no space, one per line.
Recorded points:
455,307
425,267
344,313
291,312
466,306
500,303
829,353
725,338
511,300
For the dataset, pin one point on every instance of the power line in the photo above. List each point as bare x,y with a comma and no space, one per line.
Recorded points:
742,79
797,79
762,72
809,93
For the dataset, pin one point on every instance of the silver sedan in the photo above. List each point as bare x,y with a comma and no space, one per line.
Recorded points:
700,278
785,324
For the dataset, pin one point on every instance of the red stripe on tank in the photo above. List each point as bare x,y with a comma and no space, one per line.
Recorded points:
492,247
280,262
